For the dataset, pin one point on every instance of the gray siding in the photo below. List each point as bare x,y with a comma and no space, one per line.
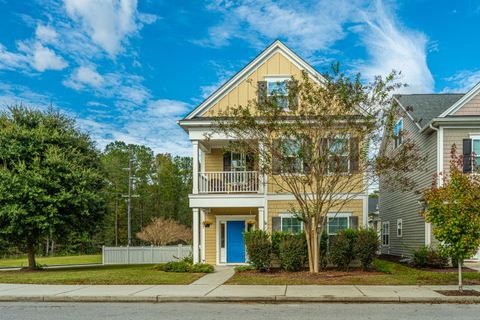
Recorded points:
395,204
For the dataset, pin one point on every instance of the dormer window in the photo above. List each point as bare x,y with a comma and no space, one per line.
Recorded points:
277,88
398,132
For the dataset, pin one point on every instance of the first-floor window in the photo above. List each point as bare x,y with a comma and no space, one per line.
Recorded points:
399,228
337,224
291,224
385,233
476,154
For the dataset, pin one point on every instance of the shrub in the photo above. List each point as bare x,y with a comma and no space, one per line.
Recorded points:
293,252
277,237
342,250
324,250
366,247
202,268
259,249
177,266
244,268
429,257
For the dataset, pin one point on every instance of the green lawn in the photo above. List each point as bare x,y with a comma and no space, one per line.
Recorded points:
388,273
21,262
124,274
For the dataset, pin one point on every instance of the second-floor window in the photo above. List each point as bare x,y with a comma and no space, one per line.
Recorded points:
238,161
398,132
293,163
339,153
278,88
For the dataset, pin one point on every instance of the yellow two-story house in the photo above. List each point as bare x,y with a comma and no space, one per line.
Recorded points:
229,194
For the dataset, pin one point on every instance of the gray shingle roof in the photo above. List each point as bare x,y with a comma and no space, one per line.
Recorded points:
425,107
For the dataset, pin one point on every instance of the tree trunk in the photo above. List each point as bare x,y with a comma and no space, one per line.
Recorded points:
316,250
460,285
309,248
31,255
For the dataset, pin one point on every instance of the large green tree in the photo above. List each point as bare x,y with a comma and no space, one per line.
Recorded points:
50,178
453,207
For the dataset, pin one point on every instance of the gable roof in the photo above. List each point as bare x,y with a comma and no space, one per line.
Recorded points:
425,107
276,46
461,102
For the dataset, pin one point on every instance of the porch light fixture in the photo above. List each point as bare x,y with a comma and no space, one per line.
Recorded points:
251,222
207,223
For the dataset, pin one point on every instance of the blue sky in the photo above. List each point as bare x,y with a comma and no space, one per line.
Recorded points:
127,70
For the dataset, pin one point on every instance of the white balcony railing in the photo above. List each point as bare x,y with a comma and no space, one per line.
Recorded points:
228,182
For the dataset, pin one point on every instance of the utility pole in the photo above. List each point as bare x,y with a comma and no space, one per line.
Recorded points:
129,197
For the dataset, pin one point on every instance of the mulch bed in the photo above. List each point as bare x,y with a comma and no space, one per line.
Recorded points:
308,275
400,260
455,293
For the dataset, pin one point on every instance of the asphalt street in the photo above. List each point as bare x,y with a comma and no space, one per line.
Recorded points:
234,311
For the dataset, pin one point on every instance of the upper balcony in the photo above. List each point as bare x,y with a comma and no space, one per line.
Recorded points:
228,182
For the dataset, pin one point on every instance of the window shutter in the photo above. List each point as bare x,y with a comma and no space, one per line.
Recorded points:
276,224
467,155
276,161
354,222
262,92
293,103
250,161
227,161
354,155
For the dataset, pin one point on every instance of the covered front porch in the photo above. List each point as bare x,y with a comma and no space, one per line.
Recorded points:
218,233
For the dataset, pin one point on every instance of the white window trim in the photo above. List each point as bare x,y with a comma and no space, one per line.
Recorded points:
277,78
400,229
474,137
347,137
401,132
338,215
288,215
387,223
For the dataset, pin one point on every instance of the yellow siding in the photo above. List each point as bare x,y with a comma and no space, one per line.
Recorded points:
276,207
214,160
247,89
211,231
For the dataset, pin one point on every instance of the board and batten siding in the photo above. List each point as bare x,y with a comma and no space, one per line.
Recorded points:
246,90
396,204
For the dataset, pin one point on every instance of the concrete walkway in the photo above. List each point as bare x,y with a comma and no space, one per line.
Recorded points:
210,292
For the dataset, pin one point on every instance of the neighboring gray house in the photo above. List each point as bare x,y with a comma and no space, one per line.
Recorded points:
435,122
373,214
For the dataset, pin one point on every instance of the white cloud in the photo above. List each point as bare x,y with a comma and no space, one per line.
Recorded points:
313,29
44,58
84,76
392,46
11,60
108,22
462,81
46,34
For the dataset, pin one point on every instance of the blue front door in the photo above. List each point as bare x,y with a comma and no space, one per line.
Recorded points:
235,243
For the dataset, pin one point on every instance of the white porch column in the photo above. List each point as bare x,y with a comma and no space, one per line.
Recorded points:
196,229
261,218
202,235
195,166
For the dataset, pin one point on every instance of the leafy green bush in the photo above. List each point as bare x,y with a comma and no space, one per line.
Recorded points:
429,257
185,265
244,268
323,250
259,249
202,268
277,237
293,252
366,247
342,250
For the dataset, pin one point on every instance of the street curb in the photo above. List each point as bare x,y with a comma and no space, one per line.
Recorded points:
238,299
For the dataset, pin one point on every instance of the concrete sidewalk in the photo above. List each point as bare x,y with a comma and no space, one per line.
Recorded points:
202,292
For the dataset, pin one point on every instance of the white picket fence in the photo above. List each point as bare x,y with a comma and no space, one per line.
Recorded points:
144,255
